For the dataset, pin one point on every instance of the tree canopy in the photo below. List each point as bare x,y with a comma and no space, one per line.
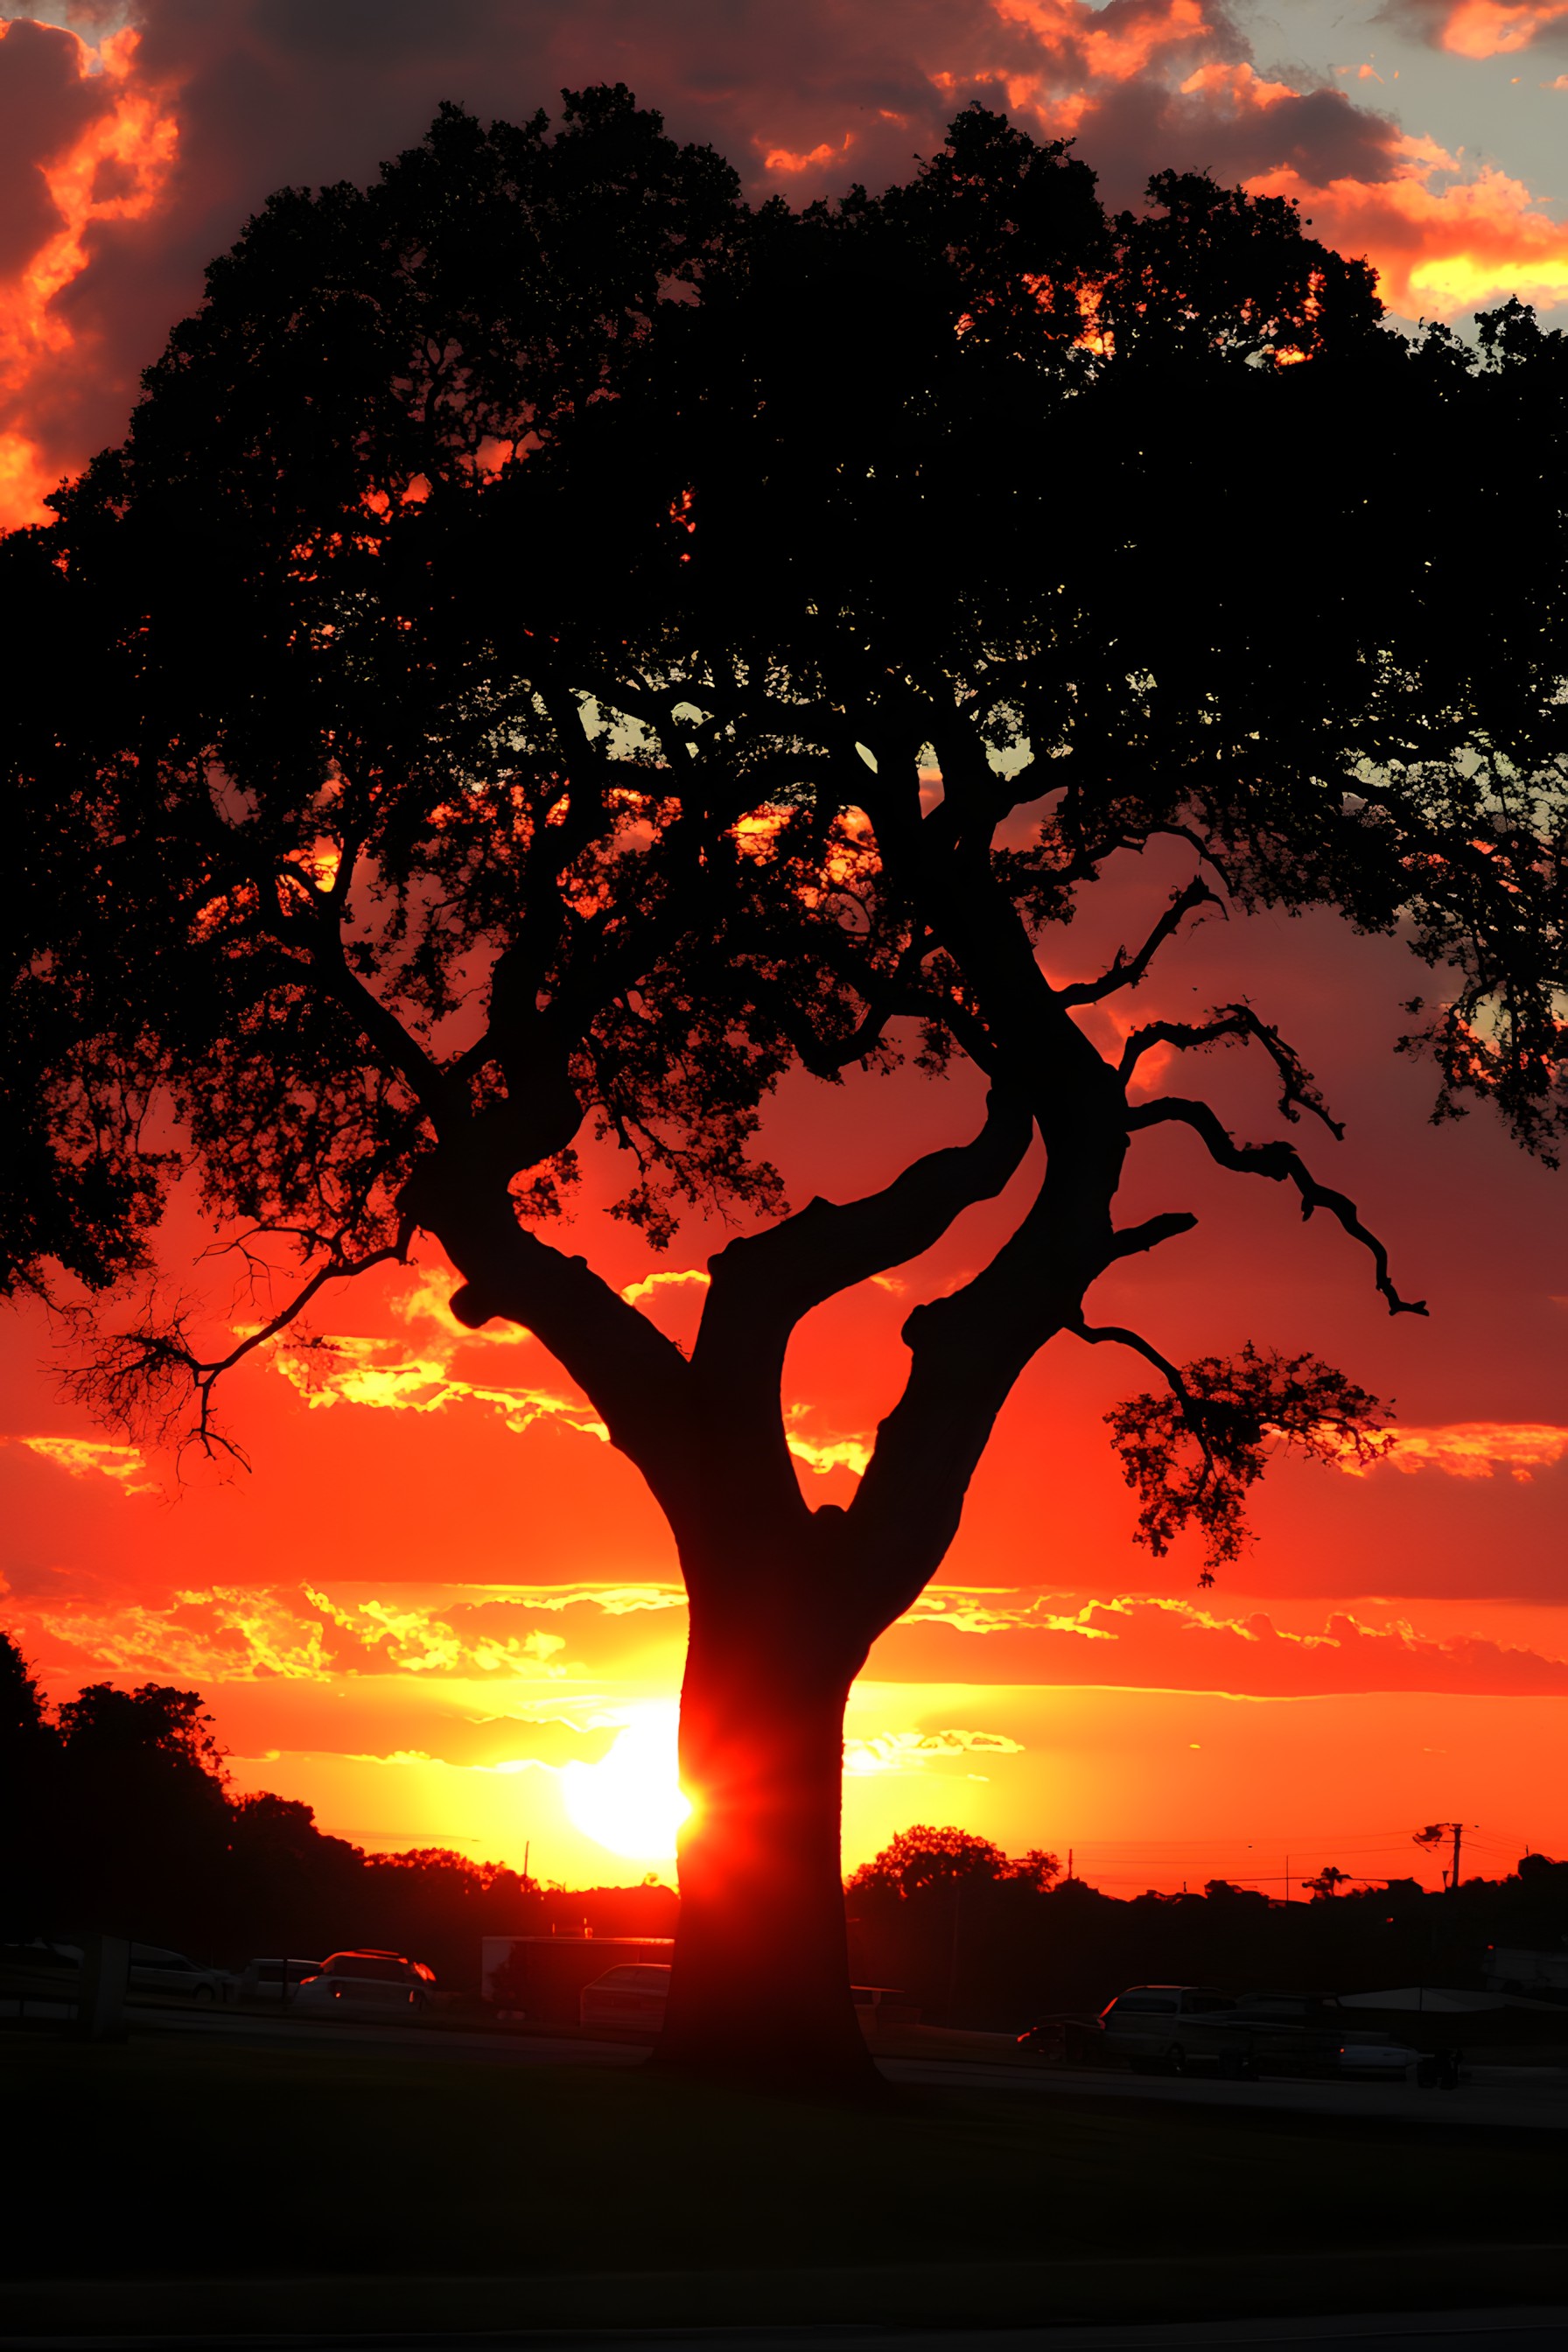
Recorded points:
559,648
920,1858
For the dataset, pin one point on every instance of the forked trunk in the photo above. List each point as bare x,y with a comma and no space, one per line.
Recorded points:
761,1988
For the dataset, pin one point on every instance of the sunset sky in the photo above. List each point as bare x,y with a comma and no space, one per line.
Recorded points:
438,1606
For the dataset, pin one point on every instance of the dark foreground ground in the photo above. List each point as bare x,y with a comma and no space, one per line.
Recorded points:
192,2188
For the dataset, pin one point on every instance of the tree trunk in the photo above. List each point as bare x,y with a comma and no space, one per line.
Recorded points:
760,1989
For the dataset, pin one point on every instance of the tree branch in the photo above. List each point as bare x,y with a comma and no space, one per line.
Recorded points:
1131,1240
381,1028
966,1351
1298,1089
1282,1164
830,1246
638,1380
135,1377
1127,971
763,1284
1115,1335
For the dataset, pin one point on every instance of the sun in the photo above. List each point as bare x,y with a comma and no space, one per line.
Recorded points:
631,1801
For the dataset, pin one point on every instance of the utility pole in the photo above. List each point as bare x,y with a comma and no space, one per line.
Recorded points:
1434,1834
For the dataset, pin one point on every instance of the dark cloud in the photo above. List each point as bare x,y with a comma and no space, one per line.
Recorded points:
275,92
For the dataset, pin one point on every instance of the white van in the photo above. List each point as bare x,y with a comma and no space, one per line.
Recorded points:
1165,2026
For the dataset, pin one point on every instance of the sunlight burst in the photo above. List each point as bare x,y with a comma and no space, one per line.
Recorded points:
631,1801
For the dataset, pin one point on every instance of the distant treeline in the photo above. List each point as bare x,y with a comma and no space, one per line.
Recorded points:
115,1813
984,1940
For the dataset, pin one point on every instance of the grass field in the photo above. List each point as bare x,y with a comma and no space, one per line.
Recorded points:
161,2161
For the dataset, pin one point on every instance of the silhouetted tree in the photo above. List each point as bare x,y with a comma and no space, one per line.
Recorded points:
29,1792
24,1727
144,1817
102,1723
919,1857
557,649
1328,1881
1221,1891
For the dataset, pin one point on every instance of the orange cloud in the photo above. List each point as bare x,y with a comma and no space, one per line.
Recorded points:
611,1599
1153,1642
911,1751
388,1377
1241,84
1474,1449
80,1457
231,1633
427,1300
1493,28
851,1454
783,159
1438,251
115,169
670,1278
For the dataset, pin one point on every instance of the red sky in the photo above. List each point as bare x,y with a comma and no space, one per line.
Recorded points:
438,1589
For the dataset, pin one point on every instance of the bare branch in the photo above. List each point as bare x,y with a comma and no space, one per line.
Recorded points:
138,1377
1116,1335
1282,1164
1127,971
1298,1089
1131,1240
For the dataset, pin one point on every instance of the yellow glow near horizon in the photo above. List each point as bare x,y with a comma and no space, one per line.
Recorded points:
631,1801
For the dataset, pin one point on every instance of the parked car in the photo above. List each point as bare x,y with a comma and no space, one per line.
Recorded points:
155,1970
1366,2058
1288,2032
1166,2027
40,1971
368,1984
40,1952
633,1994
1312,2033
1065,2040
277,1981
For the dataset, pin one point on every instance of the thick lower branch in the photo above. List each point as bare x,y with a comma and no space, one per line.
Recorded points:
763,1284
779,1276
966,1353
637,1379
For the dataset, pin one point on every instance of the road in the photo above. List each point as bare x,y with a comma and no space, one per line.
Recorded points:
1541,2330
1491,2098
